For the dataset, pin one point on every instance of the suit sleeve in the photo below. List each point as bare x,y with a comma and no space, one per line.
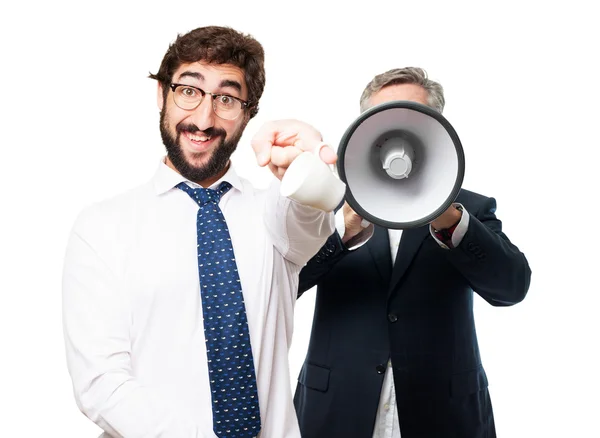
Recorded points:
494,267
322,262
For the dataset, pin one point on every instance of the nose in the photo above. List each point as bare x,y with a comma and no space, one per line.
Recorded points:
204,116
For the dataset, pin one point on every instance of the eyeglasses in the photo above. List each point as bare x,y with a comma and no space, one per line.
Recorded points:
225,106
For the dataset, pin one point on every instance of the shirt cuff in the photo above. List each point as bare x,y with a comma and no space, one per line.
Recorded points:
357,241
458,233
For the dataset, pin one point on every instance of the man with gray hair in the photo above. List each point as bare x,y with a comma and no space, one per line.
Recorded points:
393,350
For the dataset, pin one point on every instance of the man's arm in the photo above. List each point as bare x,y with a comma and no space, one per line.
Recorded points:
97,322
493,266
351,233
320,265
298,231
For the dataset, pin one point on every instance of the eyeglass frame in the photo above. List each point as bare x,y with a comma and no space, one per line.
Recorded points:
245,104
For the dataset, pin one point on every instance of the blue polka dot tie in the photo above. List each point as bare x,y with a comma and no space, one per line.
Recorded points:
230,363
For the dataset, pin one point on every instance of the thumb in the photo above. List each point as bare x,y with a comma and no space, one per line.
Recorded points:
263,157
328,155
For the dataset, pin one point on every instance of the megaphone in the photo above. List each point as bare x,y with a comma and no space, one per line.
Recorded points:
403,164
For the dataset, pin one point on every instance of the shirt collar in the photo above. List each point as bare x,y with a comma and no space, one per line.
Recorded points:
166,178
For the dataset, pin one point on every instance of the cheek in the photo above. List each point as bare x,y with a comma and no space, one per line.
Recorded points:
232,127
240,126
173,117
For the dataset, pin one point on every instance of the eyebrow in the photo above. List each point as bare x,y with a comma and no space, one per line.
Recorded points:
230,83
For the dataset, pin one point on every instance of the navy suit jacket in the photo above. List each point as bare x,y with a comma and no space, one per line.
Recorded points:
419,313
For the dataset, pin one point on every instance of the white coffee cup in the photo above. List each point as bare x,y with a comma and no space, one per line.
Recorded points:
310,181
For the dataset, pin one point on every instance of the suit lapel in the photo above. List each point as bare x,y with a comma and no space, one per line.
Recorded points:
410,242
379,248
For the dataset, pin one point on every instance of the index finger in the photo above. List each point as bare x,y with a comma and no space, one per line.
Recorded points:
262,142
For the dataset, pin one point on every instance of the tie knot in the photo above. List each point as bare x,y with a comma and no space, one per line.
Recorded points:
204,196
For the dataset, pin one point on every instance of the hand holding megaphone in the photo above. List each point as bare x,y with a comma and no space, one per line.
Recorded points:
353,223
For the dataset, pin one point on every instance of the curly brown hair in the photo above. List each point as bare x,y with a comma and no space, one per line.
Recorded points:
217,45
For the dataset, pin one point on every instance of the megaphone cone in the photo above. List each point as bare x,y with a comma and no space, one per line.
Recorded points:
403,164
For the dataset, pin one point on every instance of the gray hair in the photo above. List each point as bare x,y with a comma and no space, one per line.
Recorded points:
406,75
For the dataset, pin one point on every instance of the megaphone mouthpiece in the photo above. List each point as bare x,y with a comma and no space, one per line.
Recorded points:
397,156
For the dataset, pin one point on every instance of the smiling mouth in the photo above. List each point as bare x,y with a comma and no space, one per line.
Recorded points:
198,138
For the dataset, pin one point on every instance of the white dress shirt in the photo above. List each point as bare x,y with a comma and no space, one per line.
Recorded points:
387,424
132,309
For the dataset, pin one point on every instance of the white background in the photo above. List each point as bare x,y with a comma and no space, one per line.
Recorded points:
80,123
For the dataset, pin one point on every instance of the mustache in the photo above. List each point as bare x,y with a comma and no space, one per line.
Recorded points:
192,129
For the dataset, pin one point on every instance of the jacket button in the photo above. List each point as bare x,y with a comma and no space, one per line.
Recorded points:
392,317
380,369
474,248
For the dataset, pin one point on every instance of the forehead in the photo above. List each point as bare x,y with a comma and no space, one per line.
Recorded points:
410,92
212,76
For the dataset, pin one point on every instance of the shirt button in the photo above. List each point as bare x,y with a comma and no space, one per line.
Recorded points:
392,317
380,369
386,407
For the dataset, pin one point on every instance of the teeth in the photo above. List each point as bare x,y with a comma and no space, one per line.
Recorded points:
198,137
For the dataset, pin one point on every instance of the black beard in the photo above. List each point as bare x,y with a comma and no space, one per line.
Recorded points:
217,162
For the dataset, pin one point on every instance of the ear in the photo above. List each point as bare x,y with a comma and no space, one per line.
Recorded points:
159,97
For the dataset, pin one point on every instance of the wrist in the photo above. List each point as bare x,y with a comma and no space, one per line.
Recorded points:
449,219
444,229
348,236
